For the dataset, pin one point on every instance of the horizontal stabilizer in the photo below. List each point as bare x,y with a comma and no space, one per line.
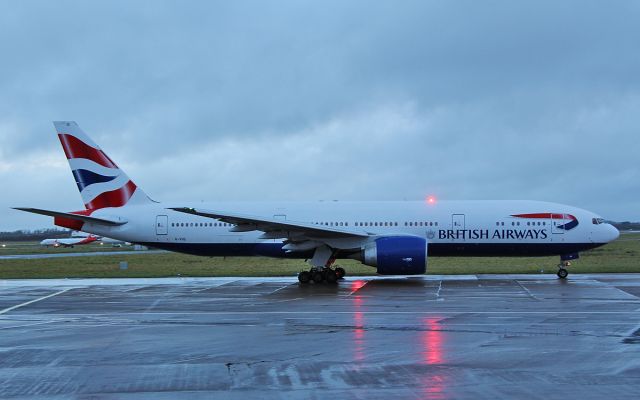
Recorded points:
77,217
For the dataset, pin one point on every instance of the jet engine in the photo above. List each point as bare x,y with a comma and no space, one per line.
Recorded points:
396,255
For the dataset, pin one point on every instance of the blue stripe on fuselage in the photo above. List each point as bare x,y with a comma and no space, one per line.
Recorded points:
569,225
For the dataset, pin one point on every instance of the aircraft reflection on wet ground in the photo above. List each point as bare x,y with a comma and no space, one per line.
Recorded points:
425,337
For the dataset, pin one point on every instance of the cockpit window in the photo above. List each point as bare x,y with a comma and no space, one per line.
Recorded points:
597,221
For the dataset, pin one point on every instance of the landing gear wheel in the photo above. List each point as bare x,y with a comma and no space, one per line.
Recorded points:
304,277
317,276
331,276
562,273
340,272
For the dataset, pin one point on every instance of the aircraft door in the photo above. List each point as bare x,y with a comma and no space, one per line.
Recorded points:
557,220
457,221
162,225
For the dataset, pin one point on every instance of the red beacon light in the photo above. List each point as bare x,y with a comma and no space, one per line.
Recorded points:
431,199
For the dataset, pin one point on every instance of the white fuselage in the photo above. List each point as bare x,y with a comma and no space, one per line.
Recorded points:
464,228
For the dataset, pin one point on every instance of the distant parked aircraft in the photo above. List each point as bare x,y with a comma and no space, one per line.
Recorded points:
69,242
394,237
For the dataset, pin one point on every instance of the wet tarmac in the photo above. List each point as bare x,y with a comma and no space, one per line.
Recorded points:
485,336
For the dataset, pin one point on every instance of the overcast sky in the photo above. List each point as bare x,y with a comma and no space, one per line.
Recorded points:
310,100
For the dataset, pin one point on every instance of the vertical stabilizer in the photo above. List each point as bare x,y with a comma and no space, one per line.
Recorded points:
100,181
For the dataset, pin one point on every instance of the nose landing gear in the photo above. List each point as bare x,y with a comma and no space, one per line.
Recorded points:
562,269
565,261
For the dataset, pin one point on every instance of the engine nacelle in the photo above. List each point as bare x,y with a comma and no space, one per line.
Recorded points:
397,255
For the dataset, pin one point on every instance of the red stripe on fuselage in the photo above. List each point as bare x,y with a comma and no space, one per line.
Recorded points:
76,148
114,198
545,215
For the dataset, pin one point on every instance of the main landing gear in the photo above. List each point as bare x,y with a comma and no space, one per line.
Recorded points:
321,271
319,275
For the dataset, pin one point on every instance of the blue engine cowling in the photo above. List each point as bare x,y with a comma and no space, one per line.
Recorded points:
397,255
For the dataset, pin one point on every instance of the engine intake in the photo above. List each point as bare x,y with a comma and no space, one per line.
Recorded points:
397,255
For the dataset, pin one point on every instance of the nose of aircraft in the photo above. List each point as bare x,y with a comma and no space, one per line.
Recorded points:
611,233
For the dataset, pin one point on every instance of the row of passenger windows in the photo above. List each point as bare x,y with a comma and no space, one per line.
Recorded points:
221,224
198,224
412,223
529,223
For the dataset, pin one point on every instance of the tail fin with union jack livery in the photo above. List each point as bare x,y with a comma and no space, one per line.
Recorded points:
100,181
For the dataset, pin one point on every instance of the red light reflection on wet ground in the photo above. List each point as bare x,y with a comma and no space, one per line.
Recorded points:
357,285
432,340
358,322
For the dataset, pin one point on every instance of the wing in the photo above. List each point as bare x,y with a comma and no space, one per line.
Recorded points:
276,228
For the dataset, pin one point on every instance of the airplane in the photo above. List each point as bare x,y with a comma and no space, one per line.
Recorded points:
395,237
69,242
